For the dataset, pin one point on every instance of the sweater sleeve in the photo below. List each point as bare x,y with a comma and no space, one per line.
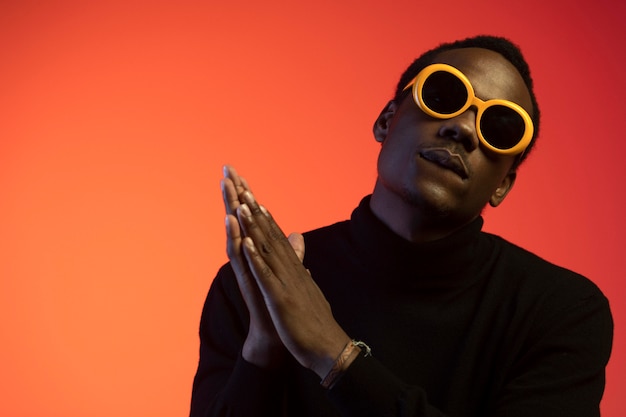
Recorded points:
225,384
561,372
369,389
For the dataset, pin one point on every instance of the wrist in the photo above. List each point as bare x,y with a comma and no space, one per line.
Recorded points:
349,353
263,352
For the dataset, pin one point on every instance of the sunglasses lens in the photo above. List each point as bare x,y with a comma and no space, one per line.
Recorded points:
444,93
502,126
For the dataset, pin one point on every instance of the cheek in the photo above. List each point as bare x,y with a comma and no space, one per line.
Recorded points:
390,161
398,146
490,174
407,132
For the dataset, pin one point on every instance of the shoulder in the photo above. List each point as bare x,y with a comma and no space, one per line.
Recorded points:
547,302
517,261
536,280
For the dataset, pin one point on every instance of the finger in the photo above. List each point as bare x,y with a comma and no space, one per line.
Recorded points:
229,196
239,182
233,244
245,280
262,217
232,188
234,249
258,266
279,259
257,223
245,184
297,243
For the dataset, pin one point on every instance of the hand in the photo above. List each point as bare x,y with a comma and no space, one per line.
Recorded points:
299,311
262,346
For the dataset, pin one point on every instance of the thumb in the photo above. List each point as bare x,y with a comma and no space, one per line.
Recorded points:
297,243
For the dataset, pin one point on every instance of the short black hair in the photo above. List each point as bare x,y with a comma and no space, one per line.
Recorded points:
510,51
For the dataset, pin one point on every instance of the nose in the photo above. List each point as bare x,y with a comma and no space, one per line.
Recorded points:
461,128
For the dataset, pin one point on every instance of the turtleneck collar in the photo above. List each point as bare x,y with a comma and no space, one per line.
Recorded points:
448,258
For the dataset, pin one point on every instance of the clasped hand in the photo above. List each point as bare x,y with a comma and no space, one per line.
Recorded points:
288,312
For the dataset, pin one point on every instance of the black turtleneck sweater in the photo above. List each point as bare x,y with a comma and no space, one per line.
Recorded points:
466,326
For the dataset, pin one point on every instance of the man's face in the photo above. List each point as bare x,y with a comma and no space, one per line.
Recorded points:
439,166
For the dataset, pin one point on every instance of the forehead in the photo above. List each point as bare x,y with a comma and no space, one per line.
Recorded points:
491,75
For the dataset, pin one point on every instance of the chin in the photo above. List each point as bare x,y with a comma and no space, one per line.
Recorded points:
439,205
435,205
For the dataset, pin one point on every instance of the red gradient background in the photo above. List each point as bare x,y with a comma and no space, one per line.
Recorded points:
115,120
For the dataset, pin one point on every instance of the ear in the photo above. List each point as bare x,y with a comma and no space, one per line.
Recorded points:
505,186
381,125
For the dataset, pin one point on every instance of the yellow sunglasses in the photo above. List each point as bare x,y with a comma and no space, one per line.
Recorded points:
442,91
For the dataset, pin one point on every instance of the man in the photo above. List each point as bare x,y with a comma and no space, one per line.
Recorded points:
430,316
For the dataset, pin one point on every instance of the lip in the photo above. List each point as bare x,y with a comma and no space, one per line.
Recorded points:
445,158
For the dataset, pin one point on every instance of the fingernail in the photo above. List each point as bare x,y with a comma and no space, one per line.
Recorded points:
247,241
247,195
245,210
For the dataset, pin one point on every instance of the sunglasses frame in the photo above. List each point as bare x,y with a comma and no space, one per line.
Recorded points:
417,85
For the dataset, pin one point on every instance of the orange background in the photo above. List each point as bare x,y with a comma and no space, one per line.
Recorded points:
115,120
